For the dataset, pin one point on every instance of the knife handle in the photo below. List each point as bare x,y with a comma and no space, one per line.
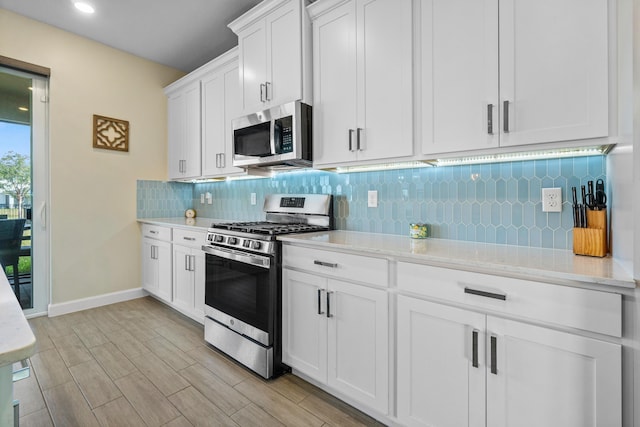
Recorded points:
575,196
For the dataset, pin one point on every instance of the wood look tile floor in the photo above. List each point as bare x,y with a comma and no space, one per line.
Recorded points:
140,363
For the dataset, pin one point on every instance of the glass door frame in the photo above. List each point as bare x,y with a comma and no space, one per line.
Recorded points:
40,193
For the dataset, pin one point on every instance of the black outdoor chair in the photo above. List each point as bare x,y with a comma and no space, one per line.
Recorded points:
10,242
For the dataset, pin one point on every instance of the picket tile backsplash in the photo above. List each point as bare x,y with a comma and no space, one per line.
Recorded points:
493,203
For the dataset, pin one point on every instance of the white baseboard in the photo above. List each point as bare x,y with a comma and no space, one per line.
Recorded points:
93,302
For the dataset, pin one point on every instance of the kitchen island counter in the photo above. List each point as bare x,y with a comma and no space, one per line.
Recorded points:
551,265
17,343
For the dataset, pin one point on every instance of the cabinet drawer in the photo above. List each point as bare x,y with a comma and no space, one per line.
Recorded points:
191,238
586,309
374,271
156,232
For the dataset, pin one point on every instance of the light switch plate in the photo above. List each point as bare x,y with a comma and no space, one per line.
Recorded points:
253,198
372,199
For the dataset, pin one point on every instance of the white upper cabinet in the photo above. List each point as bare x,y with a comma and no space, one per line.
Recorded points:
512,72
220,105
184,131
274,66
201,107
362,59
553,70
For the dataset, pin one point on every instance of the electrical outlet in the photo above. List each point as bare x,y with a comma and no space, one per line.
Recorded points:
209,198
202,198
551,200
372,199
253,198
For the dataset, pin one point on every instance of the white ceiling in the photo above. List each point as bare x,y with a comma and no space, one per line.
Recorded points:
183,34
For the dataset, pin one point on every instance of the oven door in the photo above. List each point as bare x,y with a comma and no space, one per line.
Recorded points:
240,292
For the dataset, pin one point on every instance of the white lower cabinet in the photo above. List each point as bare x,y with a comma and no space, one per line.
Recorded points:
458,367
188,280
336,333
189,273
156,263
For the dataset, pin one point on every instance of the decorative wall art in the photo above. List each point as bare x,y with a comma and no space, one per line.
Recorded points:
110,134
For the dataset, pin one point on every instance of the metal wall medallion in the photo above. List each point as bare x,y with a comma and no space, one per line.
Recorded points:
110,134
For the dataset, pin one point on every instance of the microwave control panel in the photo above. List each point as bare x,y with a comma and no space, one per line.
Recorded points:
284,135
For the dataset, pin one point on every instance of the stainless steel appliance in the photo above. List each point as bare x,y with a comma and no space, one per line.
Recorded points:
279,137
243,288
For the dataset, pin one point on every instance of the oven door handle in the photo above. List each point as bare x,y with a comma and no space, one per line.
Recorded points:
246,258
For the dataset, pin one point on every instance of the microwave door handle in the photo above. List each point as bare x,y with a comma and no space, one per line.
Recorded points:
272,138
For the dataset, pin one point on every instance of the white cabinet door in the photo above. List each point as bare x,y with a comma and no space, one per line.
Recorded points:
176,111
284,55
182,277
438,384
549,82
385,63
220,105
549,378
189,281
271,57
156,268
253,66
554,70
363,101
459,41
304,323
164,270
199,279
149,266
334,85
358,358
184,160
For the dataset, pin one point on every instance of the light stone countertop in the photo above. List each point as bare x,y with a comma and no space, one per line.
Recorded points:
199,223
17,341
517,261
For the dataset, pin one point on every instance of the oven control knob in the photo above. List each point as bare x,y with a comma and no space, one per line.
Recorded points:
246,243
256,245
232,241
218,238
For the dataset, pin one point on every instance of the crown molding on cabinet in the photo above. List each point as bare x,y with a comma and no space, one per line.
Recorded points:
321,7
255,14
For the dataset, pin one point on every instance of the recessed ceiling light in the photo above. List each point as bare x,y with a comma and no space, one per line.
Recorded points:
23,109
84,7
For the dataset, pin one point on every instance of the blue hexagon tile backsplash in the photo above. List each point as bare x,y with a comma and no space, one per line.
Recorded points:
493,203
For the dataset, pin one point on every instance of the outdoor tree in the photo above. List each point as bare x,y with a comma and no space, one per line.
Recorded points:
15,177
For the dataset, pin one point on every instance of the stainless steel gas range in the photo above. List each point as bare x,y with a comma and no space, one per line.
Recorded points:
243,289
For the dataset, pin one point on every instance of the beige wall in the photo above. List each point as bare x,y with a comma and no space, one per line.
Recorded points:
95,240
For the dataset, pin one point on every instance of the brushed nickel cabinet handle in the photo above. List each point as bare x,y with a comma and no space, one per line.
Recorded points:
485,294
325,264
329,315
192,239
320,301
262,88
266,91
474,348
494,355
490,119
505,116
358,139
351,139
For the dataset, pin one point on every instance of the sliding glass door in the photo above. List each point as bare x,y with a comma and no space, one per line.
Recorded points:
24,187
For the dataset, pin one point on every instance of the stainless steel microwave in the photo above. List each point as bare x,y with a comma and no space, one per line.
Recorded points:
278,137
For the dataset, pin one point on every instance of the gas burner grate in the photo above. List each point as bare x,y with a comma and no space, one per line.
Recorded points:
269,228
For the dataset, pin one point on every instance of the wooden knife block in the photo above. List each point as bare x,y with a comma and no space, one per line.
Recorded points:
592,241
